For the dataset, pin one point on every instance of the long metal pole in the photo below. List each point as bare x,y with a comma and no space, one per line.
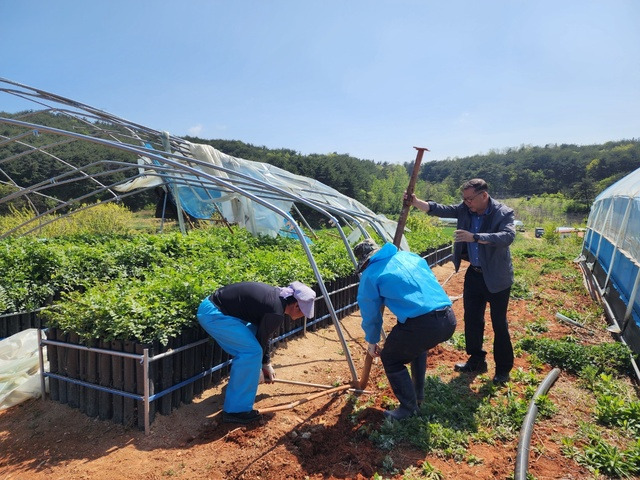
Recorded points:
43,386
304,400
145,375
316,385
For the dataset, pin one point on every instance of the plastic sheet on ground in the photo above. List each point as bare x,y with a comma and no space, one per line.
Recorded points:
19,368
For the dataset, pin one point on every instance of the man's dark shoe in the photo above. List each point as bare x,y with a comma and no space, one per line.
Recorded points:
476,367
501,378
241,417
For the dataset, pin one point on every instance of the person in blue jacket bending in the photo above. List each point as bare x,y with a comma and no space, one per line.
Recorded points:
402,282
242,317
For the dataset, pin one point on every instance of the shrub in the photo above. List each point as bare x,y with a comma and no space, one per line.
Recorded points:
573,357
147,287
106,218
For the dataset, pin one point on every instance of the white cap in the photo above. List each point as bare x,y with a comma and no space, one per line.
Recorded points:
306,298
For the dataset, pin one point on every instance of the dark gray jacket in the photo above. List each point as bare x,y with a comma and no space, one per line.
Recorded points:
256,303
497,228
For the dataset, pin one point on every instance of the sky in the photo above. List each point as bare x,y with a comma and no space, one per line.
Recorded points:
368,78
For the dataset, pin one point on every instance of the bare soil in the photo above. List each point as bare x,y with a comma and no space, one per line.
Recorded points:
316,439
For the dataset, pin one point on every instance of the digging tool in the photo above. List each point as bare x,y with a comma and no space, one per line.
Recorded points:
402,221
366,370
291,405
315,385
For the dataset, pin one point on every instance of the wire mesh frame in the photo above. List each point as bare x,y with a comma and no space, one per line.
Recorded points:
128,131
249,183
122,131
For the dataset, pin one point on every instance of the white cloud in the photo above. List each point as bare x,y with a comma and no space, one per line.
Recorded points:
195,131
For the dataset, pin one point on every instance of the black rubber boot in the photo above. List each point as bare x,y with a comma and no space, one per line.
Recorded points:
402,387
241,417
418,372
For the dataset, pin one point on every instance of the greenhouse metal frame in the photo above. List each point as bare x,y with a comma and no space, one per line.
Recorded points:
610,258
237,190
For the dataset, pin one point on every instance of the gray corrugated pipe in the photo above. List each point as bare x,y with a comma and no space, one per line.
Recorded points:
522,457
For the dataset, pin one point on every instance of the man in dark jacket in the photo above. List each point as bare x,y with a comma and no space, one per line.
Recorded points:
485,229
242,317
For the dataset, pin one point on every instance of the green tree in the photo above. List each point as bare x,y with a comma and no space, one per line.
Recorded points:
386,194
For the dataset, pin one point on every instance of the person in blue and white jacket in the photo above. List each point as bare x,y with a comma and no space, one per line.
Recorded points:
402,282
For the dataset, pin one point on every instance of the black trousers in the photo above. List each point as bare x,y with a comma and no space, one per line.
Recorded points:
409,340
475,297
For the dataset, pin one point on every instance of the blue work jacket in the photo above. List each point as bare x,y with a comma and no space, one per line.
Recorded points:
402,282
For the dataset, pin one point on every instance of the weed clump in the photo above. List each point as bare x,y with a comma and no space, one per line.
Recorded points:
567,354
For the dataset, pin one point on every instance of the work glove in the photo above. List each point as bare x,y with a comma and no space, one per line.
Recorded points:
268,373
373,350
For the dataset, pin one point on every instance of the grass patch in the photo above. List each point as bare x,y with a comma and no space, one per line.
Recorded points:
600,455
573,357
452,416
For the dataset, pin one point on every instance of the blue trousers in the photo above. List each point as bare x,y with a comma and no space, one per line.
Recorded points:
238,339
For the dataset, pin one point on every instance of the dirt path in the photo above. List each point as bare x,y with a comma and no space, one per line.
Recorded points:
316,440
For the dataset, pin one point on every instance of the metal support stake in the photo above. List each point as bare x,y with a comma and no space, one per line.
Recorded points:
43,386
634,292
145,375
406,205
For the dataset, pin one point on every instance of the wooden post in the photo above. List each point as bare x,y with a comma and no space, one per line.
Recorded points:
166,382
129,405
188,359
208,363
176,395
92,377
63,353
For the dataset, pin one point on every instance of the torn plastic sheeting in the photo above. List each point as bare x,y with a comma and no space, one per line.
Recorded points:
203,201
266,222
19,368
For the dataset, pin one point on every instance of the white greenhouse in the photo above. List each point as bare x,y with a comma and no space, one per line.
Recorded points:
611,256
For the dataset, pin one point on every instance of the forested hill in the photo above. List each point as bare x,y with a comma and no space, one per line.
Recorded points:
577,172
